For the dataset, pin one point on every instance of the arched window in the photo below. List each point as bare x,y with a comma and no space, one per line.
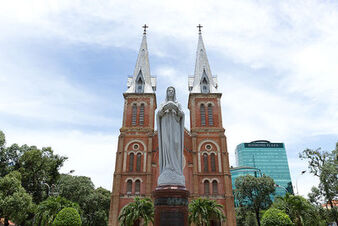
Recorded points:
205,162
213,162
202,110
133,115
141,119
131,162
138,162
137,186
210,116
139,83
129,186
205,83
214,187
206,187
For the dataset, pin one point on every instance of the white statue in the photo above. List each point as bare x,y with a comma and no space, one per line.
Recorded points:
170,125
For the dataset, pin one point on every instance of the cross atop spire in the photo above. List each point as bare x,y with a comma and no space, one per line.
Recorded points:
142,81
203,81
145,29
199,28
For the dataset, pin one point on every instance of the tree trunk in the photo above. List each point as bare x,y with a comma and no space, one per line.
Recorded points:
137,223
6,223
257,217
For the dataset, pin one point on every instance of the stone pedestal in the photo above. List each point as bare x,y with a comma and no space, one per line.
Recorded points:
171,206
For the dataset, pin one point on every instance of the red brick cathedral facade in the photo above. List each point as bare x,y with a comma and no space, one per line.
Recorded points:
205,163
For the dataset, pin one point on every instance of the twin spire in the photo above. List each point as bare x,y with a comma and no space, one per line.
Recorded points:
142,81
201,82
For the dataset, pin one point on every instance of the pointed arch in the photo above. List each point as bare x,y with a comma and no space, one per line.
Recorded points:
205,83
139,88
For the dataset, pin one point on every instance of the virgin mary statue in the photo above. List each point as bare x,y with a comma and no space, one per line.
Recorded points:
170,125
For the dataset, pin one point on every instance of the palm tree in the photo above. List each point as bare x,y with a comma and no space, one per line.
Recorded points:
202,211
132,213
297,207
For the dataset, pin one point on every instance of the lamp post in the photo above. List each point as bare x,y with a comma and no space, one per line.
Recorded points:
280,186
51,189
47,187
301,173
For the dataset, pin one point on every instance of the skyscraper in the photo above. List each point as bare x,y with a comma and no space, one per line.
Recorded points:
270,159
205,154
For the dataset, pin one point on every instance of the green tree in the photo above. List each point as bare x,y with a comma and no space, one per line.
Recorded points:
254,193
245,216
275,217
5,162
315,196
97,206
300,210
323,164
67,217
139,209
2,139
37,166
48,209
324,215
202,211
75,188
93,203
15,203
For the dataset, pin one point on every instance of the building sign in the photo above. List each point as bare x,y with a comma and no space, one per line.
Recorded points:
264,145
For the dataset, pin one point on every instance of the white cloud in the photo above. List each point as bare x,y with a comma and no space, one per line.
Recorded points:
89,154
44,93
296,42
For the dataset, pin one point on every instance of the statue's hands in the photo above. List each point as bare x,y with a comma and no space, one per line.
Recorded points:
170,105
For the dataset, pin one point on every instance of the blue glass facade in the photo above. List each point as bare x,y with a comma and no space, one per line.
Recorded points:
242,171
270,159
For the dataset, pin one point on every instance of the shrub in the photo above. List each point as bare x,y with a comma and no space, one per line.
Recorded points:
67,217
275,217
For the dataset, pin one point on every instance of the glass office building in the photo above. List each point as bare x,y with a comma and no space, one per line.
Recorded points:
270,159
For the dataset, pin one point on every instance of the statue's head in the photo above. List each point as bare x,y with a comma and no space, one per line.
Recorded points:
171,94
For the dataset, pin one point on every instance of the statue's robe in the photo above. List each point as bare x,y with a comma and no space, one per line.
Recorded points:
170,123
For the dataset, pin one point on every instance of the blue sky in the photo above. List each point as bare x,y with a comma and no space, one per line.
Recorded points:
64,66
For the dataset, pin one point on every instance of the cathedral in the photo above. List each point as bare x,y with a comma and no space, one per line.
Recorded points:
205,154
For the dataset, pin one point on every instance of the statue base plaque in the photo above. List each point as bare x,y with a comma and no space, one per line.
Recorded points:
171,205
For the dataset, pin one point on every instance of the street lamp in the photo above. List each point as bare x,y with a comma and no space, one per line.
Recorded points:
301,173
280,186
47,187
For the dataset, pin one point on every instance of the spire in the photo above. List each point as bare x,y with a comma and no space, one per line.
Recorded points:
142,82
202,82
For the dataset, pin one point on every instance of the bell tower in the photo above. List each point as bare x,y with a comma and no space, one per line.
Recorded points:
211,173
132,176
